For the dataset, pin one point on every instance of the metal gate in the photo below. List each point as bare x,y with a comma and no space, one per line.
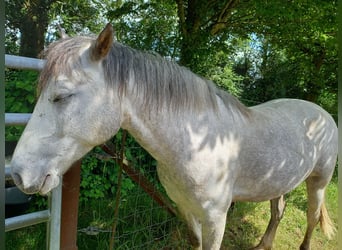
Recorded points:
53,215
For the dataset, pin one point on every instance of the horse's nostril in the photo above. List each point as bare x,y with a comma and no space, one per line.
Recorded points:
17,179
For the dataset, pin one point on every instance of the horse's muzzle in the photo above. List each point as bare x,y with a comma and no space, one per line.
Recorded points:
42,186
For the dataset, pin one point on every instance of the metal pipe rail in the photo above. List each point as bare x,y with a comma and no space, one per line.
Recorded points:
20,62
14,119
26,220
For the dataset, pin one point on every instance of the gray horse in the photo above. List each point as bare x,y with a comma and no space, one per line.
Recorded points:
211,149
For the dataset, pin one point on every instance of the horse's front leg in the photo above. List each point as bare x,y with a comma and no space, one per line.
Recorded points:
213,227
206,228
195,234
277,211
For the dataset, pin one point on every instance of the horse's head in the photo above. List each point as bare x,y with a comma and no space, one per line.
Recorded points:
75,112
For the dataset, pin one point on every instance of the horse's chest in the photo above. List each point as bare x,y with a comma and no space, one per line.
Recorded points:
197,185
176,183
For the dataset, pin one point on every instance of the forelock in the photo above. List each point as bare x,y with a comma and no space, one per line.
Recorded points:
62,57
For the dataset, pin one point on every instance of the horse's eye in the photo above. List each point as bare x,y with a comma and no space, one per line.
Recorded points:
61,98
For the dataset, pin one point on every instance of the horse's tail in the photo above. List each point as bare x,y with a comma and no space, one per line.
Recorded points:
326,224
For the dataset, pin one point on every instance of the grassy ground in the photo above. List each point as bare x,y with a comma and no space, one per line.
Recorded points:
143,225
248,221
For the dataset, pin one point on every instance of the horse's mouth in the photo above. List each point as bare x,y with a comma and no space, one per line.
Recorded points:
29,190
49,183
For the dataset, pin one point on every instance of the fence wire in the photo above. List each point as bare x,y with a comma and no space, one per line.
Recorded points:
142,222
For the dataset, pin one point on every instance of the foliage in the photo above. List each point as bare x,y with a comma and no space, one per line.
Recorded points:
154,27
76,17
95,183
20,91
222,73
196,32
19,97
99,179
306,31
31,19
201,25
99,176
271,72
267,72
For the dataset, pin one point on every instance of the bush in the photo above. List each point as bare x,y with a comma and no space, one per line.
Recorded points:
19,96
99,177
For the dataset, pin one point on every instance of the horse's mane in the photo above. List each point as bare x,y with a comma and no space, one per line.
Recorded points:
157,82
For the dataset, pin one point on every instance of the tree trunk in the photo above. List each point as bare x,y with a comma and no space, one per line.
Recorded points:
31,17
314,85
199,21
33,35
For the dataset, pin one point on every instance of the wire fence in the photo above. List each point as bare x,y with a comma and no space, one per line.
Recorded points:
146,226
143,222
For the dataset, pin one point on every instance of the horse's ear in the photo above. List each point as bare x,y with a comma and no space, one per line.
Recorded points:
61,32
103,43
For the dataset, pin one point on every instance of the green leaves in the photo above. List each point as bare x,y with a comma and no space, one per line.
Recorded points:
146,25
20,97
99,177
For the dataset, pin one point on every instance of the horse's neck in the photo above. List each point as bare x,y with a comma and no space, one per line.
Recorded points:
166,134
154,131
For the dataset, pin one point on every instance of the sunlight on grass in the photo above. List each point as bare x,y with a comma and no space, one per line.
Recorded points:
247,222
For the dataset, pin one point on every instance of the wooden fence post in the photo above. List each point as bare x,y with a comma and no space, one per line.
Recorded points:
70,197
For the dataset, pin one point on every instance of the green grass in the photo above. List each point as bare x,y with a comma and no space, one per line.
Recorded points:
248,221
32,238
144,225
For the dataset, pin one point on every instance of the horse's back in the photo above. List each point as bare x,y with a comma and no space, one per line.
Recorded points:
310,121
288,141
304,119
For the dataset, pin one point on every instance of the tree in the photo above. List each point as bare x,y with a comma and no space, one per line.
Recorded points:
147,25
307,32
31,19
205,26
298,37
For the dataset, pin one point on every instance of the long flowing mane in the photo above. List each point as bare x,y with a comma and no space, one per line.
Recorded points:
156,82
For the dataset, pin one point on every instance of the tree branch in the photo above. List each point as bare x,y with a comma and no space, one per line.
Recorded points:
221,20
181,16
224,12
